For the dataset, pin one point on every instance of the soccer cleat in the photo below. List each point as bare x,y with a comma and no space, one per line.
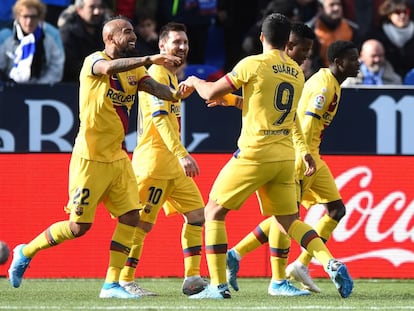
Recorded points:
299,272
134,289
285,289
18,266
232,269
114,290
193,286
340,277
213,292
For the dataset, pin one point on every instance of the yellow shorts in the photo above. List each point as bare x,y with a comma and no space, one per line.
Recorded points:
91,183
320,187
273,182
177,195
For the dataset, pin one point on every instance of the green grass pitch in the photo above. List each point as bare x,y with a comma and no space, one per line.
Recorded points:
82,294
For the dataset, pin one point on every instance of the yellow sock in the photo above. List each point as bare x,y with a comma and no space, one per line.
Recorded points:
325,226
128,271
191,240
120,247
216,249
279,244
254,239
309,239
52,236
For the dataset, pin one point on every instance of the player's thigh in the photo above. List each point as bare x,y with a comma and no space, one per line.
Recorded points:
320,188
278,196
122,195
88,184
153,194
185,197
237,180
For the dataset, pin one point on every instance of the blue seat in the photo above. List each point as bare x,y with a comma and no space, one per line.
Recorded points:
409,78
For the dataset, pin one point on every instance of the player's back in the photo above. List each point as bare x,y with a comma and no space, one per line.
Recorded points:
272,84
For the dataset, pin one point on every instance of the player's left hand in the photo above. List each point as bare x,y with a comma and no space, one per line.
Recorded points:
310,165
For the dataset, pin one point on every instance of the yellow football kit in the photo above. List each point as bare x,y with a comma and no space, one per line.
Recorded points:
156,157
317,108
272,84
100,169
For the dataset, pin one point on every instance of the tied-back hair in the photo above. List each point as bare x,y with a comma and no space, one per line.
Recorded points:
171,26
338,49
276,29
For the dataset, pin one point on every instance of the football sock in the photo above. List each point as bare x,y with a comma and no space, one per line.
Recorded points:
254,239
120,247
191,240
279,245
309,239
324,228
52,236
216,249
128,271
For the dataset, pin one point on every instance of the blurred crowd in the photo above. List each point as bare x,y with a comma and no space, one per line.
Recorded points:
46,41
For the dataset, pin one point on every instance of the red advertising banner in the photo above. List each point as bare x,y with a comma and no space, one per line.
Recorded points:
375,238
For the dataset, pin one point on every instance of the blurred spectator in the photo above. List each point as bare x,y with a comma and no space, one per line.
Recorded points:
54,8
30,54
197,15
374,68
6,15
251,43
396,33
146,30
81,35
364,13
330,25
307,9
230,13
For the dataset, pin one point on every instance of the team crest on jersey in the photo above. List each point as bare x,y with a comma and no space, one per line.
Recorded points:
319,102
79,210
132,80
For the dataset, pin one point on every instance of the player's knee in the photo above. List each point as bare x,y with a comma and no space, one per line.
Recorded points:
79,229
336,210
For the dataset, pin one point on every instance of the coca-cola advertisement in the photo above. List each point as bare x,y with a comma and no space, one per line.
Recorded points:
374,239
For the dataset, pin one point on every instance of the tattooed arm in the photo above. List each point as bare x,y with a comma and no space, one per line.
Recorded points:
162,91
108,67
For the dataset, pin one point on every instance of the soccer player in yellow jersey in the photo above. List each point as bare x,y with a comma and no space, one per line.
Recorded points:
316,110
100,169
265,162
164,169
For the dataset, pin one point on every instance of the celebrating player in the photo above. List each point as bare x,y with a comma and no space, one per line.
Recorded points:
100,169
316,110
265,161
164,168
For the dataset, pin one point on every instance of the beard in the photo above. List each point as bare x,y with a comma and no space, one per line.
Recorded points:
129,53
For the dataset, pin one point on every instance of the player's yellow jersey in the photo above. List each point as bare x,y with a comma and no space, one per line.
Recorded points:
158,140
318,106
104,105
272,84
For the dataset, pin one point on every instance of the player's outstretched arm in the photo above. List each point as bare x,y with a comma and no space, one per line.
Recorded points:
160,90
108,67
209,90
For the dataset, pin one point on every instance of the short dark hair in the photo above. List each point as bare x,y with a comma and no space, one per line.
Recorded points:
276,29
338,49
171,26
303,31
